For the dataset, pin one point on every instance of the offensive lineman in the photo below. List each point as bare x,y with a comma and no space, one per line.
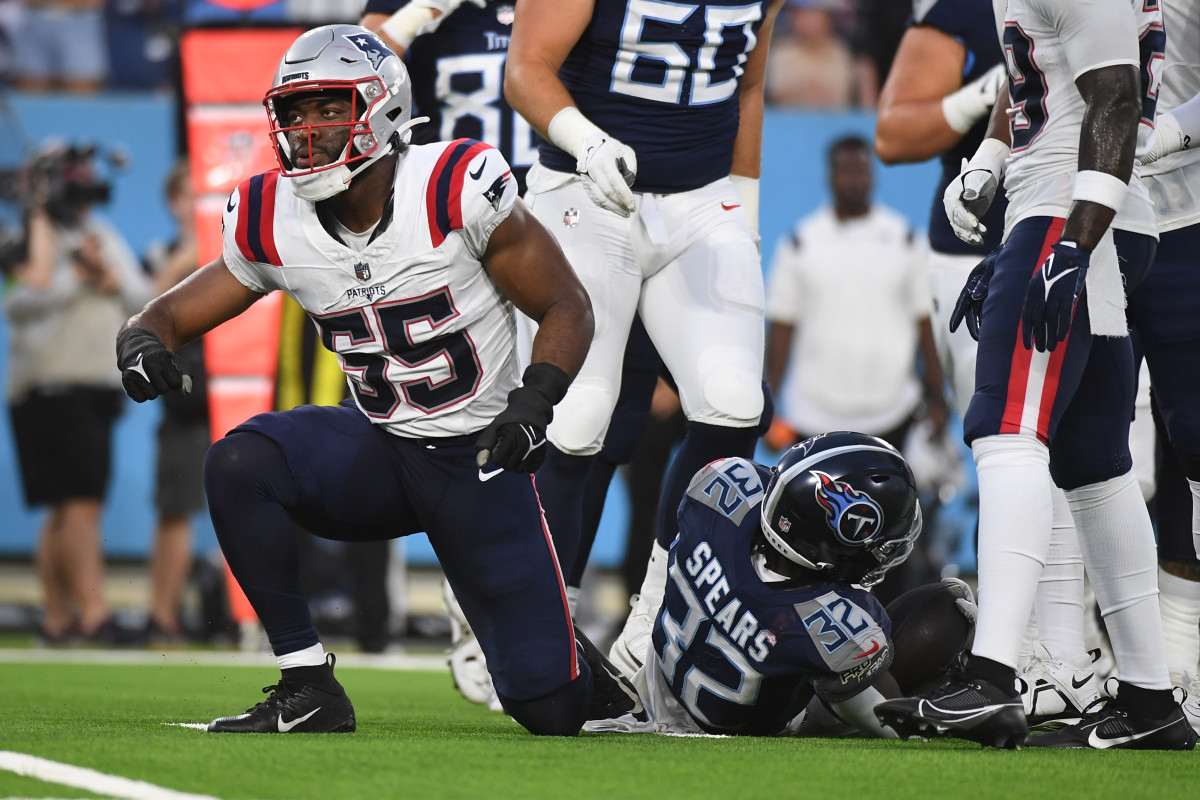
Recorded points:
407,259
1055,377
648,179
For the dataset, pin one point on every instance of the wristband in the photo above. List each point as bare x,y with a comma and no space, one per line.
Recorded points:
403,26
991,155
747,189
1100,187
570,130
548,380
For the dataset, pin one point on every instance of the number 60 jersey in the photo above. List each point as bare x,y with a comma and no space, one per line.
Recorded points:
425,338
739,653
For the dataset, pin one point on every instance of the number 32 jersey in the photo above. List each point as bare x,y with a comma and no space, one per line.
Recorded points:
425,338
741,655
663,78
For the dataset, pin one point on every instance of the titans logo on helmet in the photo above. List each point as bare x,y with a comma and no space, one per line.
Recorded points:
372,46
852,515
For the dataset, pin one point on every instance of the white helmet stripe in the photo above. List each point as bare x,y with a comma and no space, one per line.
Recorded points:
768,506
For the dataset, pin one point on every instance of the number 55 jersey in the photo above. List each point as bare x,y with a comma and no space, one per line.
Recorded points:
737,649
425,338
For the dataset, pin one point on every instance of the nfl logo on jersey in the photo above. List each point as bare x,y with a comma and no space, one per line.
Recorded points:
571,217
362,271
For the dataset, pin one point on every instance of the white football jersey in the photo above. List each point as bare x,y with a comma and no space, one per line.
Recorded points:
425,338
1047,45
1174,181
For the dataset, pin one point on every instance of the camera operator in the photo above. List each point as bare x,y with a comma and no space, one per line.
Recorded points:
66,296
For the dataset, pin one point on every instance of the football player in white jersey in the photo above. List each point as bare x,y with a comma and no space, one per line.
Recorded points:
409,260
1055,377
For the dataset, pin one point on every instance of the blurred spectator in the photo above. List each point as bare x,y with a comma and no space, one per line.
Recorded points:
66,296
142,42
61,44
183,434
810,64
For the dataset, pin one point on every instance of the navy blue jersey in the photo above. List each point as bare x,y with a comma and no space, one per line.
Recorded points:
663,78
972,23
458,82
743,656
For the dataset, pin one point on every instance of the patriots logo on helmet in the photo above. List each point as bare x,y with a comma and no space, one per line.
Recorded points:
853,516
372,47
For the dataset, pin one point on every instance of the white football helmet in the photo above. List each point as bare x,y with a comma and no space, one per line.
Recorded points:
342,58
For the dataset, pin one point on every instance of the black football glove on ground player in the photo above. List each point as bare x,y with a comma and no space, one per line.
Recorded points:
516,439
148,368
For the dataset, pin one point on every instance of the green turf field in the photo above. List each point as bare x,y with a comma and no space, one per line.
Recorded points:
418,738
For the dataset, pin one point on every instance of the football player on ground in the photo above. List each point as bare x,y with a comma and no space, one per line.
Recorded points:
409,260
648,178
765,624
1055,378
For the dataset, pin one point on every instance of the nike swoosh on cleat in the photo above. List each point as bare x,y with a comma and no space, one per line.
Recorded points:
475,175
284,727
1101,743
487,476
730,206
958,716
1080,684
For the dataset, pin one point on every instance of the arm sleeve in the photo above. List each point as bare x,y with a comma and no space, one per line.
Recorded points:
250,273
1094,33
783,290
489,191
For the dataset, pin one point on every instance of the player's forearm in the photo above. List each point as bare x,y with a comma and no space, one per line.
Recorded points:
374,22
913,131
747,147
565,334
533,89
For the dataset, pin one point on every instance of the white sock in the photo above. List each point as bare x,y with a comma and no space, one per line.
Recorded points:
308,657
1179,603
1195,487
1014,535
1059,600
1121,560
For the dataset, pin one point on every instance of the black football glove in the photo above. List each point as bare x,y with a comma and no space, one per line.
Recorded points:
516,439
974,292
1052,294
148,368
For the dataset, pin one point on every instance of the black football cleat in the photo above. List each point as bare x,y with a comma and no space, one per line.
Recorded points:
964,707
612,694
294,708
1117,725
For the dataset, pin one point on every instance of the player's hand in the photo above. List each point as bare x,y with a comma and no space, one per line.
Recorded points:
965,604
974,292
444,9
148,368
1052,294
1164,139
965,107
516,438
608,168
966,199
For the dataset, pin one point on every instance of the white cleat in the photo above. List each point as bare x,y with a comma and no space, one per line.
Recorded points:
1055,693
468,666
628,652
1191,703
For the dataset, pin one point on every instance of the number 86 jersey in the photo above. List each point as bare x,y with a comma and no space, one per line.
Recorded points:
425,338
742,652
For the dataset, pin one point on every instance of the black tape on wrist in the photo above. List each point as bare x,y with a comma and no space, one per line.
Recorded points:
548,380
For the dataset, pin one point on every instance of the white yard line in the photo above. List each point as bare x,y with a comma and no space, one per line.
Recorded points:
230,658
89,779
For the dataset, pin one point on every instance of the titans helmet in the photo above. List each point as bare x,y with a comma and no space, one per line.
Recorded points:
844,504
351,60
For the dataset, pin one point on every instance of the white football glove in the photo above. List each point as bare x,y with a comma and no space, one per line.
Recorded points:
1165,138
606,166
970,195
974,101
